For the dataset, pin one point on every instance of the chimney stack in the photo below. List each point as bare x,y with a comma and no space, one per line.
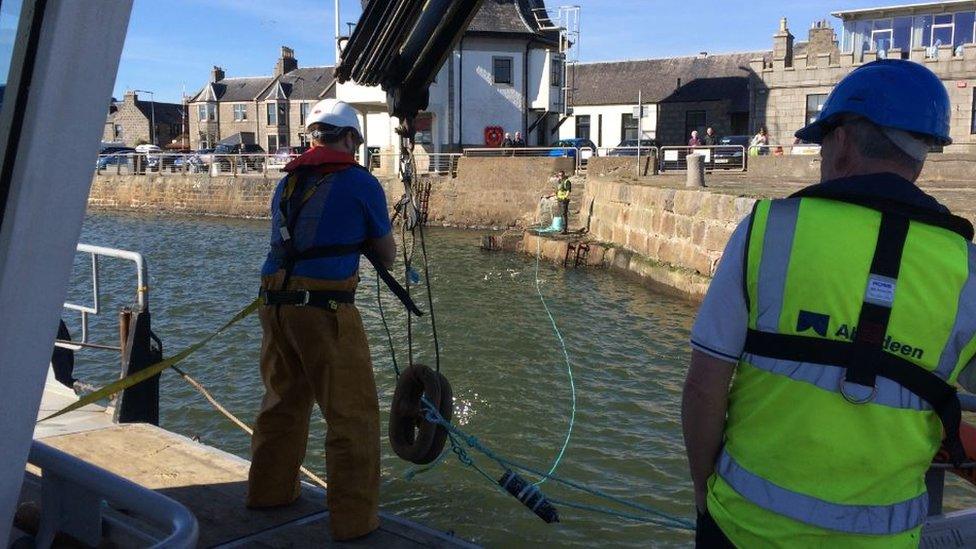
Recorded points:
287,62
783,45
216,74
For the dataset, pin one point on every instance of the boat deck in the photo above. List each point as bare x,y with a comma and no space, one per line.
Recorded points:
211,483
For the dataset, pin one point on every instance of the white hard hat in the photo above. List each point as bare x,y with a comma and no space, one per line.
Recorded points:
334,113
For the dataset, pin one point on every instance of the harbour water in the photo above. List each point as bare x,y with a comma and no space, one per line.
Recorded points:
627,344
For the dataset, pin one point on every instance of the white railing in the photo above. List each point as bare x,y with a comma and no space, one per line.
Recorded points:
184,163
581,155
141,293
784,150
388,163
522,151
717,157
73,493
628,151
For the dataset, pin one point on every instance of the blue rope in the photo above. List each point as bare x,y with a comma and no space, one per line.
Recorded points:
569,366
455,434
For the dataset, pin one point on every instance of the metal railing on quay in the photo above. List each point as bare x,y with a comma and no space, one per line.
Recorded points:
581,155
388,163
190,163
717,157
642,152
799,149
73,493
520,151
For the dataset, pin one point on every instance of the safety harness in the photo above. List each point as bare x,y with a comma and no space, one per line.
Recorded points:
864,358
294,196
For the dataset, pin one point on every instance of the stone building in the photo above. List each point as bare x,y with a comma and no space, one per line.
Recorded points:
267,110
791,85
130,121
680,94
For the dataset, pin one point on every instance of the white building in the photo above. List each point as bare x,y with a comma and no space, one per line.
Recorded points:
506,72
680,94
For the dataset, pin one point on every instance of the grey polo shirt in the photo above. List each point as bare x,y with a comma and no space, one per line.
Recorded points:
723,318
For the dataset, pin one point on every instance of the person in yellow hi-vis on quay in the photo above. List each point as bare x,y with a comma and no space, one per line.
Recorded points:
846,312
325,212
563,189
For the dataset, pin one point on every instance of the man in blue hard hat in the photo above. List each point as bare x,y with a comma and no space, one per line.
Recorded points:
826,349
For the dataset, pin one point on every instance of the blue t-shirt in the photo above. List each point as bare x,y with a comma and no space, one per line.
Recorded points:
347,208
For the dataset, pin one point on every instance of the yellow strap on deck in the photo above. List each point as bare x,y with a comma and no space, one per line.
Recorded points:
155,369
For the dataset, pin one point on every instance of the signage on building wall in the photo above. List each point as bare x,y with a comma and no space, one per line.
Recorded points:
962,84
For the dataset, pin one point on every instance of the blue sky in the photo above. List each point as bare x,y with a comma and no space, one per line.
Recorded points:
172,44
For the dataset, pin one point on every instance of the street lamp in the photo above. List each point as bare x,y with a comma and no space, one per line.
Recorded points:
152,99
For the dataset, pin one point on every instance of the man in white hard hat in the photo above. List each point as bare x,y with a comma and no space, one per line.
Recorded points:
325,213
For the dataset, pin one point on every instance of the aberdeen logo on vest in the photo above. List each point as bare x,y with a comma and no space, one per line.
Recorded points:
820,323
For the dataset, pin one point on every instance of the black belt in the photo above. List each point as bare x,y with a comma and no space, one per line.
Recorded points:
313,298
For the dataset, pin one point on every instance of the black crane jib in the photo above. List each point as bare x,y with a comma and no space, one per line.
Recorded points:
400,45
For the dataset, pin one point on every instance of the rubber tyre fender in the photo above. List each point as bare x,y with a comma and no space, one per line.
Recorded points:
446,410
412,437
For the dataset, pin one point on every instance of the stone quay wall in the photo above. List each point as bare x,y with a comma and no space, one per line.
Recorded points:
671,236
189,194
486,193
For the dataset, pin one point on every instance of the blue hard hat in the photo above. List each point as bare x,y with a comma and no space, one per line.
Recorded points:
891,93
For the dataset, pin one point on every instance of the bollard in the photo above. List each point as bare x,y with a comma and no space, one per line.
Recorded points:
696,170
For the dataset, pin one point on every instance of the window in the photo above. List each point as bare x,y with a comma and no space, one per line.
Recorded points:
902,33
117,131
303,111
272,142
881,35
556,77
272,115
942,28
501,70
922,33
695,121
815,104
240,112
283,113
583,126
303,140
628,126
282,140
207,111
964,28
207,140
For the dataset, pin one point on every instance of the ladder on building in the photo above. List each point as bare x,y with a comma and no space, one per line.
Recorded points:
566,21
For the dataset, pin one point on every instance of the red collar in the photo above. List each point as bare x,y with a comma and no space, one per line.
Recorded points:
321,160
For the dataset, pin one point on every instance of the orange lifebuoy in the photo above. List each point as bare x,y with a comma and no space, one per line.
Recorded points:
412,437
494,135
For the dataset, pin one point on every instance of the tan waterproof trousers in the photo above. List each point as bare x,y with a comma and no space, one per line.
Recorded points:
315,355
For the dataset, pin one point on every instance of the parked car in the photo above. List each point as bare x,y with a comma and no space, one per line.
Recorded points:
572,147
196,161
284,155
249,157
732,156
166,160
628,147
114,156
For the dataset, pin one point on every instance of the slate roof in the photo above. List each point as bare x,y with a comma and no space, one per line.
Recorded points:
510,17
706,78
308,83
166,113
299,84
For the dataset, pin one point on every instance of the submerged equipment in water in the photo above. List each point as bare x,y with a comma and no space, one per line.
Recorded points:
412,436
530,495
